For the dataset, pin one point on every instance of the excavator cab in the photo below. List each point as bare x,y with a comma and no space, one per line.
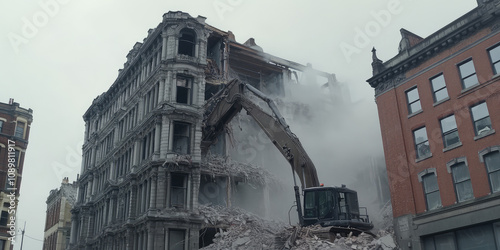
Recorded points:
334,207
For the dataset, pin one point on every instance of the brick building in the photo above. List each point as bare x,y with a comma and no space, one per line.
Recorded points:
143,175
15,125
438,101
58,218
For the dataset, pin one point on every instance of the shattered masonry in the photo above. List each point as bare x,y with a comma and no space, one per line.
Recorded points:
144,181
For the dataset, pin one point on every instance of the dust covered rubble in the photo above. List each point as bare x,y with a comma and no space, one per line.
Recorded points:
239,229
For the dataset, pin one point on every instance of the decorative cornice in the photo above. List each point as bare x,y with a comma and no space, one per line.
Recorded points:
441,40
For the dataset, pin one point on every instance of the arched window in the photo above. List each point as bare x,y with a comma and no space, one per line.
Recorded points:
187,42
429,181
461,178
491,158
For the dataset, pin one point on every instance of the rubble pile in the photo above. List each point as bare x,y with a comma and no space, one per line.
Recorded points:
305,238
239,229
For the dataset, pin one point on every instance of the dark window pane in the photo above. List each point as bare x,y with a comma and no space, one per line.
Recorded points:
464,191
445,241
4,219
467,69
441,95
451,139
181,140
430,183
414,107
420,135
470,81
448,123
176,239
483,125
423,150
309,204
460,172
492,161
476,238
19,130
433,200
429,243
496,66
495,181
1,126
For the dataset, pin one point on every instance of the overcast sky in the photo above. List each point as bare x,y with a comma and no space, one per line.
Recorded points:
57,56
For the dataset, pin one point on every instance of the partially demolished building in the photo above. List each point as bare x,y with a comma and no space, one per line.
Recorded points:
143,176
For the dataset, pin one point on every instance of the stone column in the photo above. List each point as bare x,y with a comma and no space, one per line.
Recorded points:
93,157
74,227
137,151
169,180
112,170
164,46
195,188
173,90
132,201
161,91
153,193
161,191
157,138
151,234
165,136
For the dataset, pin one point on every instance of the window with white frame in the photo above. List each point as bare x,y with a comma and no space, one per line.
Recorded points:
431,191
1,125
449,131
495,59
462,182
439,91
421,143
413,101
468,74
481,118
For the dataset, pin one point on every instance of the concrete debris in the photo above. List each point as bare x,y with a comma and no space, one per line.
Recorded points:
239,229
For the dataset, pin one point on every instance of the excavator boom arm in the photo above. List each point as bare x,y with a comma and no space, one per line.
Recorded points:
228,102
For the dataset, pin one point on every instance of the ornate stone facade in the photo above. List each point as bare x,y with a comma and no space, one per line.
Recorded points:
142,168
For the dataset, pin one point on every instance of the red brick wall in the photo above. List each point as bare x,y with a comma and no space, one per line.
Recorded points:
397,128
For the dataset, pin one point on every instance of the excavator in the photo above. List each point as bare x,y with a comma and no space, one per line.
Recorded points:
336,209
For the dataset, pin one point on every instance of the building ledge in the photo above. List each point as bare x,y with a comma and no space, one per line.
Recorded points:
453,146
439,102
471,205
482,135
414,114
423,158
